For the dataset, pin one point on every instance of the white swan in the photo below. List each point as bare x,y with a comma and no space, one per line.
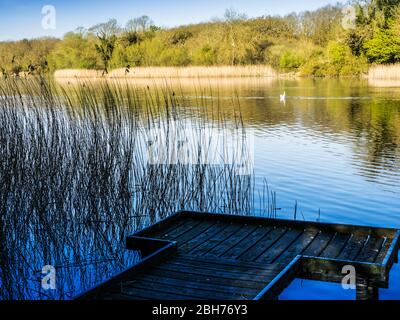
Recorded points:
283,97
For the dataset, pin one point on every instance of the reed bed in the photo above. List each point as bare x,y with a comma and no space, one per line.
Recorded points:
184,83
174,72
76,178
385,72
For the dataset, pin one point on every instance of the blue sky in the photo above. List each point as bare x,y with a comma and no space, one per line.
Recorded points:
23,19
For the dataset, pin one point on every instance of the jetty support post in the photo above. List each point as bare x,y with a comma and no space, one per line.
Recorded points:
364,291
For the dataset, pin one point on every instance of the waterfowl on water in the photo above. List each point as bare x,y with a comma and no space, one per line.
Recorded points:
283,97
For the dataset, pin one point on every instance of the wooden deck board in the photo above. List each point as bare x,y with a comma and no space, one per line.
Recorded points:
336,245
226,263
152,294
197,230
216,239
371,250
223,274
258,247
173,232
297,247
383,250
284,242
228,289
227,270
209,256
319,244
243,246
236,238
353,247
176,288
176,274
203,237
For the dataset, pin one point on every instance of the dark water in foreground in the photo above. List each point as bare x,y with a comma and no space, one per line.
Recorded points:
333,146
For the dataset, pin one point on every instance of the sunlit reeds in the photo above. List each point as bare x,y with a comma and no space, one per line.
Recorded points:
387,72
174,72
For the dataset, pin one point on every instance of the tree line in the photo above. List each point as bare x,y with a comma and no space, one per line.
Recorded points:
316,43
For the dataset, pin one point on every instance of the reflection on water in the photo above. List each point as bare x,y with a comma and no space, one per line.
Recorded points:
334,147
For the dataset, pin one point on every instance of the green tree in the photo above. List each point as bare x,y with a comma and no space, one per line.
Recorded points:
384,47
290,61
76,50
372,19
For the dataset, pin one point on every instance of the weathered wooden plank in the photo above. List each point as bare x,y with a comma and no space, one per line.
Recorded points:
353,247
318,245
173,232
258,247
392,253
175,274
225,263
215,273
217,238
198,265
169,228
297,247
246,243
283,243
153,294
371,250
227,289
230,242
383,250
202,237
294,224
178,290
173,220
335,246
193,232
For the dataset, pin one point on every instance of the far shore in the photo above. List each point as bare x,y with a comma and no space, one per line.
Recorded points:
377,76
173,72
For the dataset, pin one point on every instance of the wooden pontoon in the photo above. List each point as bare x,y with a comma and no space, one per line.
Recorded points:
210,256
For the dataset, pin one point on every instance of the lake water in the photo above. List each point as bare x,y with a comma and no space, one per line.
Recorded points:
333,147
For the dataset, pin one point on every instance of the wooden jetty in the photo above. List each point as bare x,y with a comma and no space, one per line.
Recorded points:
228,257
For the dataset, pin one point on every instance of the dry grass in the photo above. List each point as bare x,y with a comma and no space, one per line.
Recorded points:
77,73
387,72
190,83
174,72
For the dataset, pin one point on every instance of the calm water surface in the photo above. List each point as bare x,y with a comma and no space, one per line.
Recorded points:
334,147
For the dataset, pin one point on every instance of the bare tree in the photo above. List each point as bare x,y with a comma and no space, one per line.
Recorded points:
231,18
140,24
106,34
